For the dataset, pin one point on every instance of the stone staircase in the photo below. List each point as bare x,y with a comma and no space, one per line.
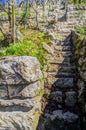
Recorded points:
62,110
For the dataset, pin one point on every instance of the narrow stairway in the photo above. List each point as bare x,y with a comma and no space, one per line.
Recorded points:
61,111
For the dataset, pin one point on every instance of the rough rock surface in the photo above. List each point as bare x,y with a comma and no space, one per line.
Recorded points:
61,72
20,86
20,70
80,56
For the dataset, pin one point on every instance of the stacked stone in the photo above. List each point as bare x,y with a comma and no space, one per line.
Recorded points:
20,88
61,84
80,55
77,15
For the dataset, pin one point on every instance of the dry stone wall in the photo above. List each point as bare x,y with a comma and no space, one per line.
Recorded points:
20,86
62,109
60,101
80,58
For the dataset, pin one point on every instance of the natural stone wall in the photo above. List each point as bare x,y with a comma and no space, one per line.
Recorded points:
80,58
20,87
60,101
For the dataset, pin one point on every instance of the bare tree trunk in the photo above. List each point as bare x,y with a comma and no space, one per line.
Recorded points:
13,20
9,17
2,29
23,20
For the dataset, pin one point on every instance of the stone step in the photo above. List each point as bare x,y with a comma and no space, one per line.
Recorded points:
70,26
62,68
64,35
71,96
61,62
64,30
72,22
73,12
63,116
73,16
66,97
60,74
63,48
64,43
63,54
60,37
62,26
66,24
61,83
60,57
76,8
56,96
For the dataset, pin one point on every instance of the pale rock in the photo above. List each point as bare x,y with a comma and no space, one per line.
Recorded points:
48,48
20,93
19,70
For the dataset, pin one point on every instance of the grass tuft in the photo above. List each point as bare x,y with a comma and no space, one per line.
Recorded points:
31,46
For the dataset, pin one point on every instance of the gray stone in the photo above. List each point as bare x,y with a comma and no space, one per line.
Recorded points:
62,121
52,36
62,68
60,115
16,105
24,91
64,82
83,67
20,93
71,98
16,121
57,96
80,84
81,60
51,20
83,51
19,36
81,90
3,92
63,48
83,75
65,74
70,117
48,48
19,70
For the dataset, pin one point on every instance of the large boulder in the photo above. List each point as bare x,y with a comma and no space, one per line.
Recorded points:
20,92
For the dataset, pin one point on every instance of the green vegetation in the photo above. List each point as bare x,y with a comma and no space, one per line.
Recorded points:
31,46
40,92
1,36
21,13
78,2
81,30
29,13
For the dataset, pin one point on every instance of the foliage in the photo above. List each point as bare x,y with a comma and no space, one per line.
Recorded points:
16,14
23,12
81,30
78,2
31,46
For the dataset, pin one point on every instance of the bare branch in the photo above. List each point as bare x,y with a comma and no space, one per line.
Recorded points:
2,29
2,9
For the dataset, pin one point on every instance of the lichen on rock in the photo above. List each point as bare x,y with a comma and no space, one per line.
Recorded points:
20,83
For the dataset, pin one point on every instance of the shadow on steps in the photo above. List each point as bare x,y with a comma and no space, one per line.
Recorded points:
60,107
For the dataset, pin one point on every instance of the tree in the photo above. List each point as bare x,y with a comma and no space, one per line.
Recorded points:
11,18
10,36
